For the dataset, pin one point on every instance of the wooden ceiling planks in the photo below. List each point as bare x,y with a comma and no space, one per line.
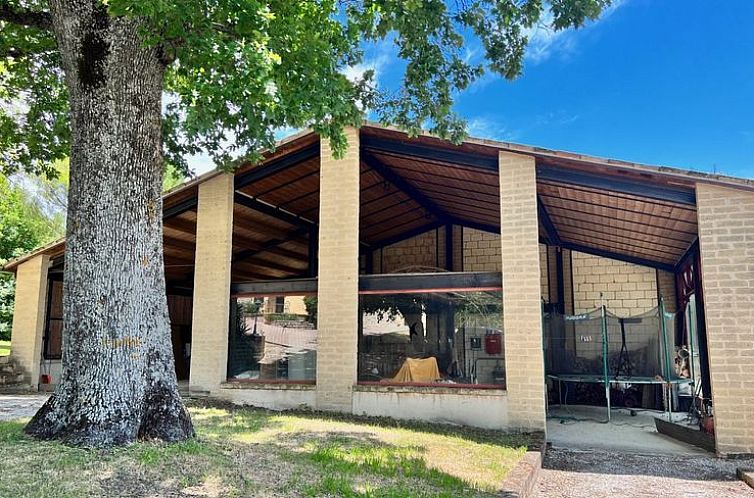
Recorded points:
460,194
617,222
603,219
620,223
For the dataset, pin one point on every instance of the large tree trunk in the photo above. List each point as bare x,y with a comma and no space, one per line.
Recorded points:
118,382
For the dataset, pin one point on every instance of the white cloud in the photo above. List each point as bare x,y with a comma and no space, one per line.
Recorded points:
378,58
492,129
356,73
559,117
200,163
545,42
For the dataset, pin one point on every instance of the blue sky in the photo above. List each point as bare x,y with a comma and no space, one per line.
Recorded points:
666,82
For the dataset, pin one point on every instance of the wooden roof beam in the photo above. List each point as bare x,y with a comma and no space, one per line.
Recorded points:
180,208
618,256
390,176
271,211
276,165
295,235
180,225
431,153
544,218
638,188
257,263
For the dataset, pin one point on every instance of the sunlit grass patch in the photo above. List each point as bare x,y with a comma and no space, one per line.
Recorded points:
252,452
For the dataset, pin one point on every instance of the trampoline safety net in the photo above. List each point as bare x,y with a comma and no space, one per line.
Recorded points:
635,346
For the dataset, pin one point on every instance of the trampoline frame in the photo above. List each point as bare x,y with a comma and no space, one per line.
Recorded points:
608,380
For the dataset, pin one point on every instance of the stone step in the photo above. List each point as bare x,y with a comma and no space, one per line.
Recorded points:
11,373
8,378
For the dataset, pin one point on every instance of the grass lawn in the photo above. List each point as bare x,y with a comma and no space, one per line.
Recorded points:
4,348
250,452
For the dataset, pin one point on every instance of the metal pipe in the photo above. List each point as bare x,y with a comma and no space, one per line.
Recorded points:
604,355
668,387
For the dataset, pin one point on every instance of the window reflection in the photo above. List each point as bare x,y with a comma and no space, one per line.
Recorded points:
273,339
447,338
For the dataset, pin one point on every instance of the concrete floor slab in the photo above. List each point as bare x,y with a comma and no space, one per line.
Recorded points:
584,427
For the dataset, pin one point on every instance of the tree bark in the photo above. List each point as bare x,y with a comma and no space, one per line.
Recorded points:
118,382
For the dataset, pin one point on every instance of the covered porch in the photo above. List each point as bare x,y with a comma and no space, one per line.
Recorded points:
347,267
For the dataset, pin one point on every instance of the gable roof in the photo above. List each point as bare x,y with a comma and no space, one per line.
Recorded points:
477,153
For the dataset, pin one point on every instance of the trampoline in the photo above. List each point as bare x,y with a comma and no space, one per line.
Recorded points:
599,347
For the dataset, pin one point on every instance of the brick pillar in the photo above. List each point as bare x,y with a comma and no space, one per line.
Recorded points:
337,313
29,316
522,313
726,240
211,306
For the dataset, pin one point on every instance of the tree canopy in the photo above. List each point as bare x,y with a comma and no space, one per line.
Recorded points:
23,226
238,70
123,87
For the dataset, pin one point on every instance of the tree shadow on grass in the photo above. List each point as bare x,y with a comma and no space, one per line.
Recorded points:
215,420
532,441
358,464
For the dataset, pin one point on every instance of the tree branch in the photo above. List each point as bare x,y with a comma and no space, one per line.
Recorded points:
25,17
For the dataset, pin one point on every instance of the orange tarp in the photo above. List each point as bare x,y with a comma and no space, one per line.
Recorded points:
418,370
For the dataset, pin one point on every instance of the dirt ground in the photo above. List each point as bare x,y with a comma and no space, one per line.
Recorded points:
600,473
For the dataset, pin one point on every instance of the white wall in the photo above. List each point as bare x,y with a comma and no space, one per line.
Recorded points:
486,409
285,398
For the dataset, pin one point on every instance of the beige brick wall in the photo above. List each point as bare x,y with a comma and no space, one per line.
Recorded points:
481,250
214,243
29,315
522,312
416,251
627,289
726,239
338,276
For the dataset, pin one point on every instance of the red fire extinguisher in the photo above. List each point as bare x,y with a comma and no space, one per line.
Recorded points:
493,342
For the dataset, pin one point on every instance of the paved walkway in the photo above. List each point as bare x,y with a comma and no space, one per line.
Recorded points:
14,406
599,473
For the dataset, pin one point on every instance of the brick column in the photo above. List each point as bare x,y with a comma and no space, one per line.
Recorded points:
29,316
522,312
337,313
211,306
726,240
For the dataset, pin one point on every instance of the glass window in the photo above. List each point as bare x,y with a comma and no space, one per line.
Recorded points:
53,339
446,338
273,339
